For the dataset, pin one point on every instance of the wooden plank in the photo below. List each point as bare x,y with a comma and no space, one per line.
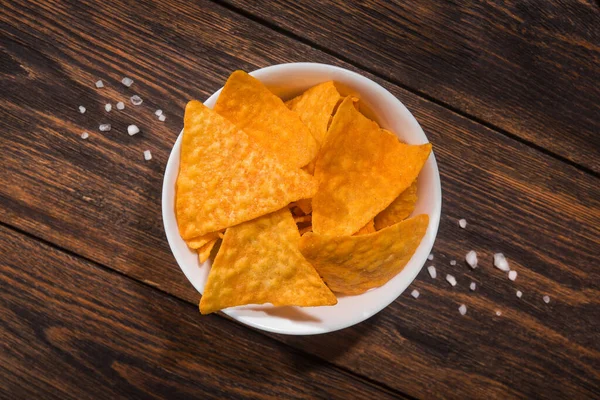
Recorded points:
100,199
530,68
71,329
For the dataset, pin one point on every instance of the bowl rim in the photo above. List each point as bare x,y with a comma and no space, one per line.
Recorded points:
434,215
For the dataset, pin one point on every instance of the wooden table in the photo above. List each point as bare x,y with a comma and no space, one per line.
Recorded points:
93,303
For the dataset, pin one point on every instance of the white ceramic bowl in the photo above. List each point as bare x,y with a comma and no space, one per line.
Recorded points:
288,80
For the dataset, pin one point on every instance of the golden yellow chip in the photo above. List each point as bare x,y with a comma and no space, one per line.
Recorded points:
368,228
360,170
248,103
204,251
225,178
354,264
305,205
315,108
400,208
259,262
200,241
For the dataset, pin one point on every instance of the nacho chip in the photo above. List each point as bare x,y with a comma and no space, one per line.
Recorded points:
259,262
248,103
204,251
225,178
354,264
305,205
360,172
200,241
368,228
315,108
400,208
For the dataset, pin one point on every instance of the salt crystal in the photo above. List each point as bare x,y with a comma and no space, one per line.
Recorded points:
473,286
471,259
82,109
136,100
104,127
99,84
462,309
462,223
500,262
162,117
108,107
120,105
451,280
147,155
432,271
519,293
546,299
127,81
415,294
85,135
158,113
498,312
512,275
132,130
453,262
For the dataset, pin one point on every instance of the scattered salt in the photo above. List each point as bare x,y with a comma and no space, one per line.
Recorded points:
162,117
85,135
451,280
471,259
132,130
432,271
519,293
120,105
127,81
462,223
498,312
473,286
108,107
82,109
136,100
546,299
147,155
512,275
462,309
452,262
99,84
104,127
415,294
158,113
500,262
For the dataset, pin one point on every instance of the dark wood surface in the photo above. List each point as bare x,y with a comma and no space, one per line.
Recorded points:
94,206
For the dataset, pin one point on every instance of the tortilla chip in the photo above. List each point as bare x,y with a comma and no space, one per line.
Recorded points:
368,228
259,262
225,178
200,241
248,103
315,108
354,264
360,172
305,205
400,208
204,251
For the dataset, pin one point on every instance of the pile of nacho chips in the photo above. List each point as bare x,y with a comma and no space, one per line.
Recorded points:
308,197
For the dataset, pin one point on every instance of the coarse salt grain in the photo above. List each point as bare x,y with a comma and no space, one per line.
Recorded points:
108,107
512,275
120,105
462,309
104,127
158,113
136,100
519,293
432,271
82,109
162,117
452,262
473,286
99,84
451,280
147,155
127,81
462,223
132,130
415,294
471,259
85,135
546,299
500,262
498,312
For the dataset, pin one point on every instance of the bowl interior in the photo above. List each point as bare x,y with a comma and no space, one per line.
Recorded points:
287,81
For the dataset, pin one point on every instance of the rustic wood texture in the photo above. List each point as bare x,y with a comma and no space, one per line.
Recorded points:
530,68
98,198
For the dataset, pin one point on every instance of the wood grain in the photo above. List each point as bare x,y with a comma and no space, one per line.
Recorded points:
98,198
530,68
71,329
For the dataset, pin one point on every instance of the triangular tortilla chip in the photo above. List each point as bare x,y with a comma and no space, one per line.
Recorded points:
368,228
360,172
200,241
204,251
225,178
248,103
400,208
354,264
259,262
